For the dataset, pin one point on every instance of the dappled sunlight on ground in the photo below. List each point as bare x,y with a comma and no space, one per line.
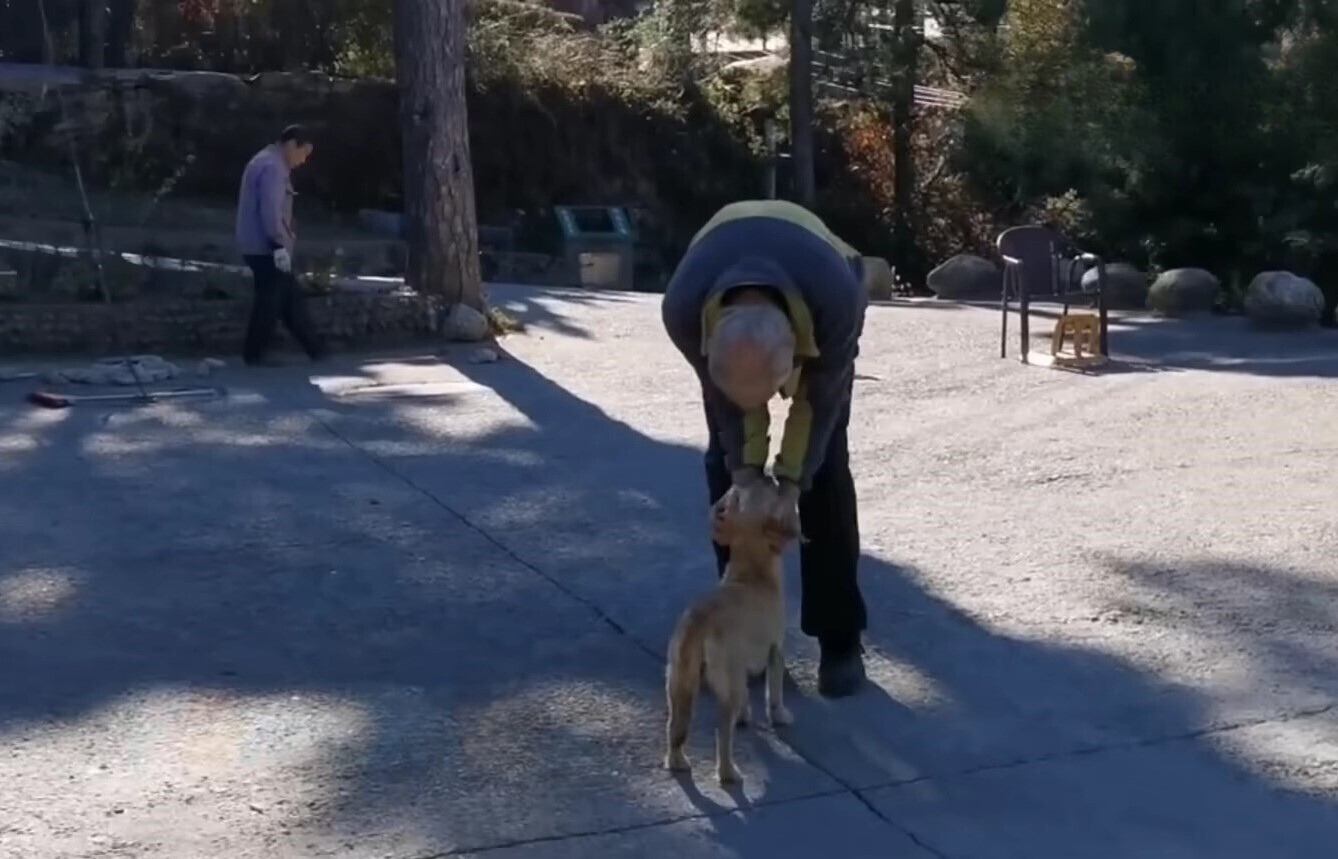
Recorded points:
167,759
36,595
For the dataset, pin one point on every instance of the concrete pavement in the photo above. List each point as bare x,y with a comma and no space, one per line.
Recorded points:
429,621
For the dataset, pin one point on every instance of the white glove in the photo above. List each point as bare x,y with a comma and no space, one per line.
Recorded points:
283,260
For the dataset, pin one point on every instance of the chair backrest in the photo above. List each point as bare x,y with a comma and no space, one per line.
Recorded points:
1049,263
1036,250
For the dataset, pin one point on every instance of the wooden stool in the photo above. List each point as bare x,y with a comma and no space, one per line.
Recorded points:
1085,329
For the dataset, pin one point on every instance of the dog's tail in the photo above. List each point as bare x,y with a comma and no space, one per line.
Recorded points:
687,659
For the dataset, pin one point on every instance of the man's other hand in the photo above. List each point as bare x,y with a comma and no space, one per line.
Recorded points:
283,260
785,512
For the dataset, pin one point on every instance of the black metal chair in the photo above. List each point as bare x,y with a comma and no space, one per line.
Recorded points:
1039,263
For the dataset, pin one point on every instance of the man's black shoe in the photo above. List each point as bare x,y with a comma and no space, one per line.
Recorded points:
840,671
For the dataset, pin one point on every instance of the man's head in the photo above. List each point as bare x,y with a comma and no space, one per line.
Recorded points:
296,146
750,353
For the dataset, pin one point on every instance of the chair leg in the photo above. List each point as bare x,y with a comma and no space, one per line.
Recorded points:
1003,329
1104,317
1024,312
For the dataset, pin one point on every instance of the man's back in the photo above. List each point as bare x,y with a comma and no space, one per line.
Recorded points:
782,210
811,256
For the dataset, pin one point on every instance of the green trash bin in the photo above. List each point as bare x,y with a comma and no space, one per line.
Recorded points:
598,245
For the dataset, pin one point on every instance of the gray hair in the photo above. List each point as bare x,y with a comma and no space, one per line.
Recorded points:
763,325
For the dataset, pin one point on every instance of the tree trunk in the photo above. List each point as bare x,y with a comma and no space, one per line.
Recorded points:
801,101
906,45
93,34
439,217
120,30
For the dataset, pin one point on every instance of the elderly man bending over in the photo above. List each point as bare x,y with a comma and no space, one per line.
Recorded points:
767,300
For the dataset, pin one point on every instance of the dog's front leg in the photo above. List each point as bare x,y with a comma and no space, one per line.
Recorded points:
775,687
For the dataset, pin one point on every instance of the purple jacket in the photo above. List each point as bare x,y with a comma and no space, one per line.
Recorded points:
265,205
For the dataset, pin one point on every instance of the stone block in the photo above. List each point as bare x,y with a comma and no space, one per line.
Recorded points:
202,324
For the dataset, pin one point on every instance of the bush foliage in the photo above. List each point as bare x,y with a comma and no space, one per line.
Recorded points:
1166,134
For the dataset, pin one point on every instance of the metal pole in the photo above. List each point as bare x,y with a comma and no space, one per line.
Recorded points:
771,134
801,101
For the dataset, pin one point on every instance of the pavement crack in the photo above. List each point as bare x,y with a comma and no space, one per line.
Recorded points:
915,839
631,827
591,605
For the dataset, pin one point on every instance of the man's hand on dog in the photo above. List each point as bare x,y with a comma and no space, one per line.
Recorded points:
785,513
783,524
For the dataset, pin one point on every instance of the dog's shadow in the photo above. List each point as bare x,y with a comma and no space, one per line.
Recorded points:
760,752
707,806
759,741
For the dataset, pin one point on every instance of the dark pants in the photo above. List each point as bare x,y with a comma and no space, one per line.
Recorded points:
277,297
831,607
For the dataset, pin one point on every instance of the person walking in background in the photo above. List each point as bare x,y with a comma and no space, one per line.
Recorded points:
265,239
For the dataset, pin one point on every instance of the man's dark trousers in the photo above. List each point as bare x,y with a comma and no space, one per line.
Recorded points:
831,607
277,296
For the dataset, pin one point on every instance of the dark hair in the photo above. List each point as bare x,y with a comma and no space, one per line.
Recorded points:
295,133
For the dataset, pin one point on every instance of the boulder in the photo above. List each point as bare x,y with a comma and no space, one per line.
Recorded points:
878,278
484,355
209,365
465,323
1280,299
966,277
1126,286
1184,291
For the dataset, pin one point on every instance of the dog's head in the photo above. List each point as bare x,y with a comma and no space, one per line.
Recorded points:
744,520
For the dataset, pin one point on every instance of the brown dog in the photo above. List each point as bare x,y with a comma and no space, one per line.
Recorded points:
737,629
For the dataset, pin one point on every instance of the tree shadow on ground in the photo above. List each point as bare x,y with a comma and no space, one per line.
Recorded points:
1229,344
543,310
1283,618
416,628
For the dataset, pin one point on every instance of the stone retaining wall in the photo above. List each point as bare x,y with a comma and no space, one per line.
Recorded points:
202,325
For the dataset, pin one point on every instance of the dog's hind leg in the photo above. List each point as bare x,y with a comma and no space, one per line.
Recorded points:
775,685
681,694
732,696
680,717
